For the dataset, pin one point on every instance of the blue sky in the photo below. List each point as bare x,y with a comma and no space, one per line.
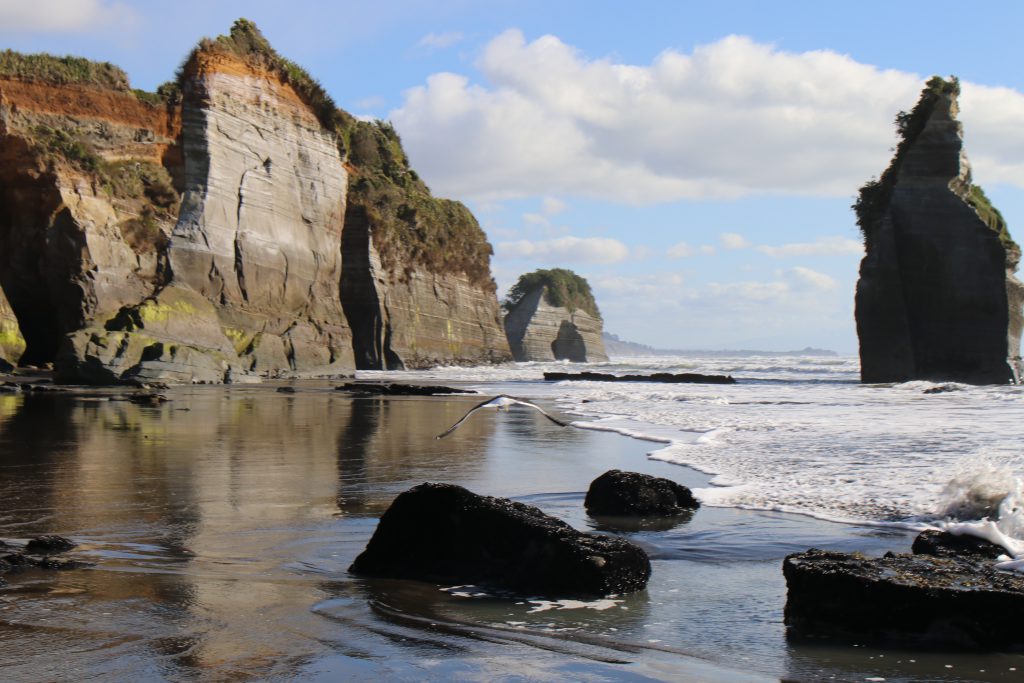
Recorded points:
695,161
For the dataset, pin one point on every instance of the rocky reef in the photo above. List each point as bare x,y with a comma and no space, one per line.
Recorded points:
233,225
552,315
936,298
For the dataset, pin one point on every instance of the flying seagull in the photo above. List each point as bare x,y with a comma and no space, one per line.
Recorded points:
501,402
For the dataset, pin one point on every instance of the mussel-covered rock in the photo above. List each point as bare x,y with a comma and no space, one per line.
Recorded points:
621,494
920,599
446,534
946,544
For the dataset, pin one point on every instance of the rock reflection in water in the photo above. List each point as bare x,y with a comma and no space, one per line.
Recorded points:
209,519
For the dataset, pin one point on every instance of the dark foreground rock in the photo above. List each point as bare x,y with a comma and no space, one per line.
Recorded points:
618,493
904,599
446,534
665,377
388,389
36,554
945,544
49,545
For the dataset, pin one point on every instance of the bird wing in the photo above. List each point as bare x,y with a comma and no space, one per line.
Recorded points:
542,412
463,418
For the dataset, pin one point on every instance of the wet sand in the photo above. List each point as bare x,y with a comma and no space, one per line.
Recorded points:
221,525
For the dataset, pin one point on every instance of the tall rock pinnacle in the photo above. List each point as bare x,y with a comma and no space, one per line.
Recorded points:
936,298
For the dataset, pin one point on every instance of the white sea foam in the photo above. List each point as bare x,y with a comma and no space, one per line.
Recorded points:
803,435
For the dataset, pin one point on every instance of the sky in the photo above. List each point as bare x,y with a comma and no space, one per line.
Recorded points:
695,161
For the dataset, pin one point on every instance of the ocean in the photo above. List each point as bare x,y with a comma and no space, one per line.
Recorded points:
802,434
219,526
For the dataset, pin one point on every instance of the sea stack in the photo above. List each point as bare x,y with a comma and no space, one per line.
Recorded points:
235,224
937,298
552,315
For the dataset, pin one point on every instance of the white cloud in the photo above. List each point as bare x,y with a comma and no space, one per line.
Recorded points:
681,250
732,240
440,41
805,278
552,206
63,16
823,246
731,118
566,249
670,312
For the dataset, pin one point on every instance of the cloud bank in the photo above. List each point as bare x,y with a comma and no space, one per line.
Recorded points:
730,119
62,16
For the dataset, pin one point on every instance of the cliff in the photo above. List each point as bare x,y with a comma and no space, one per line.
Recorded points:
936,298
204,233
419,281
552,316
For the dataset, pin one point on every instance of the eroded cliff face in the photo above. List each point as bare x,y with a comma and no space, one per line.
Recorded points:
75,243
416,282
252,283
936,298
538,331
202,237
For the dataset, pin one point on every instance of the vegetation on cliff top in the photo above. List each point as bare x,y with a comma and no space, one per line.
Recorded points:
875,195
564,288
246,42
409,226
48,68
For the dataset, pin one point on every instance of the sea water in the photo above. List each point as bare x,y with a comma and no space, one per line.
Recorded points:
801,434
220,525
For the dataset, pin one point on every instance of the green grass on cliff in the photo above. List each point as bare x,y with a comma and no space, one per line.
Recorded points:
47,68
565,289
996,223
62,70
246,42
408,225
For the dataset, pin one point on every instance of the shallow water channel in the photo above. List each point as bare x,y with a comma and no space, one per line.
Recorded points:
220,526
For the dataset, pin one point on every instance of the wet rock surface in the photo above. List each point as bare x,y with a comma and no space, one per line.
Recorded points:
622,494
663,377
49,545
922,600
396,389
37,554
446,534
945,544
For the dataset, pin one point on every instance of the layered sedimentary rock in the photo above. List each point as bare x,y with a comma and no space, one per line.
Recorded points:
416,288
937,298
84,204
540,331
201,235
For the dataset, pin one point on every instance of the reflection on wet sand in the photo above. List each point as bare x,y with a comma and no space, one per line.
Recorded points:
203,515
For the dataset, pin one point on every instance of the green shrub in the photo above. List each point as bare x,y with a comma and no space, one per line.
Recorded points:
564,288
62,70
54,144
